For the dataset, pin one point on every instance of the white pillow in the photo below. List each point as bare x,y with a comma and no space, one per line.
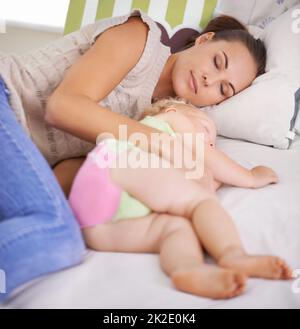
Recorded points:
254,12
264,113
266,11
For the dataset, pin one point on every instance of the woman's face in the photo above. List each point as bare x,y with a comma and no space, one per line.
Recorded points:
212,71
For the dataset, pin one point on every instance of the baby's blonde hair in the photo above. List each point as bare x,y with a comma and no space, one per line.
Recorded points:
162,104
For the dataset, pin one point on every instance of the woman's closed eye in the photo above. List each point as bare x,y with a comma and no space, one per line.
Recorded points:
217,62
218,67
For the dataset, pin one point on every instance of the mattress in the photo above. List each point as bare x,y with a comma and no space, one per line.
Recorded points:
268,220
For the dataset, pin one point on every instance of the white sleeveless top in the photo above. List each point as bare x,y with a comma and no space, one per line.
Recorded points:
32,78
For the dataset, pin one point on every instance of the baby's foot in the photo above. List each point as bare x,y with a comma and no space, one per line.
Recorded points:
209,281
267,267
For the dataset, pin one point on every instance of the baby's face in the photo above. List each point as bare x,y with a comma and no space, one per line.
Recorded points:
201,121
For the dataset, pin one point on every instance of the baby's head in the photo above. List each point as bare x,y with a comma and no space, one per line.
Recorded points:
200,120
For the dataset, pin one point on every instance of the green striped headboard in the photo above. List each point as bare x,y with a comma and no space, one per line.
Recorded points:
173,15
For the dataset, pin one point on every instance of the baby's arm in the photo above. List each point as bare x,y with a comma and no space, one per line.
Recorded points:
230,172
224,169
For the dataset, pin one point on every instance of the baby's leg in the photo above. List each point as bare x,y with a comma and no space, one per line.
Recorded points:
166,190
256,266
219,236
180,252
234,257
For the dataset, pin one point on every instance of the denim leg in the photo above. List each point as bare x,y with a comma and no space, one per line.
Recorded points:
38,231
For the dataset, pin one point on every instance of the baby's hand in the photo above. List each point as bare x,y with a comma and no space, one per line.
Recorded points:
263,176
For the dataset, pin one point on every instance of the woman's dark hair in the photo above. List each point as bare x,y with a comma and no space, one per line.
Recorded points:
230,29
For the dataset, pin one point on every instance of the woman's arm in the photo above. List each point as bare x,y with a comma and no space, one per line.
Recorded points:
73,107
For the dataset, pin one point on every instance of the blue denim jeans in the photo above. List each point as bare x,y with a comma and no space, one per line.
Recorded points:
38,231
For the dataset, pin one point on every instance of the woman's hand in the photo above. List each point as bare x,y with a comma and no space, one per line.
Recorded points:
263,176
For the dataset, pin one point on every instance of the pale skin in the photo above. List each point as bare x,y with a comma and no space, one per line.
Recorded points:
181,224
74,108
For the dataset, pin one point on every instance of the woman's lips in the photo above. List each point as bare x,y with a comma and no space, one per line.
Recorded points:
193,83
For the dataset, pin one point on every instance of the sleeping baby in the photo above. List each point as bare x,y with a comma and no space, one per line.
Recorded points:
126,208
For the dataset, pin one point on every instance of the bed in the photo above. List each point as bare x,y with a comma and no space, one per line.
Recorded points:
268,220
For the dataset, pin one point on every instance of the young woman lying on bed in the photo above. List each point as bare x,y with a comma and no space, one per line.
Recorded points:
105,75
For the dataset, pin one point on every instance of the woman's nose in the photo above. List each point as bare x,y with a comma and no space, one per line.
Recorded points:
209,80
206,82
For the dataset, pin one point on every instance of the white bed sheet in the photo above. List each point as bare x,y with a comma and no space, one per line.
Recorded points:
268,220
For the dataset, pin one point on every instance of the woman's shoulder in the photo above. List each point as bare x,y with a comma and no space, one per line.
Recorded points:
136,21
115,52
135,31
134,38
130,35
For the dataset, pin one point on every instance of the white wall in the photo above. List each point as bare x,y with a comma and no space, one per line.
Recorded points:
30,24
20,39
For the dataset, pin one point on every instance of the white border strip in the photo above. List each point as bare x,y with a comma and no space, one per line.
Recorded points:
122,7
90,12
158,10
193,13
